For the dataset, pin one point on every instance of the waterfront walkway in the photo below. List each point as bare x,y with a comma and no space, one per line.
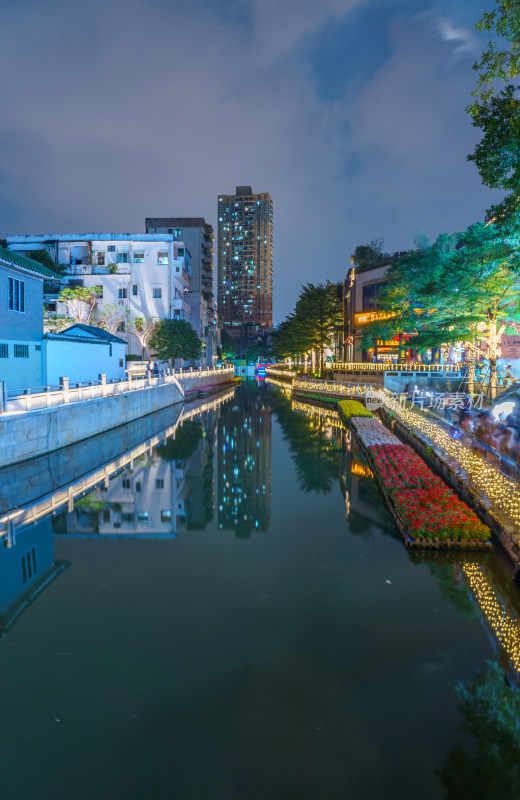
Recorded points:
494,486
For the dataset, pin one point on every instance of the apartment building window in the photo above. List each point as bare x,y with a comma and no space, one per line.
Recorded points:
126,483
369,295
157,292
177,233
101,259
138,486
122,258
180,251
134,290
38,348
29,567
142,516
4,351
21,351
139,257
159,483
121,293
111,248
162,257
16,295
166,516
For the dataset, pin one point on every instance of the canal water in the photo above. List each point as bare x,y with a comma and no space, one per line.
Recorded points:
233,615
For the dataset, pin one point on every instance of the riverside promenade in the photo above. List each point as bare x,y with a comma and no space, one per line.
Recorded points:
476,474
32,424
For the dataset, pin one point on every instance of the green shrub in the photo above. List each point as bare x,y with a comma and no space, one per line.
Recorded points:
353,408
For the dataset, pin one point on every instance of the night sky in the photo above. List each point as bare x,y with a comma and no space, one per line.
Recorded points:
351,113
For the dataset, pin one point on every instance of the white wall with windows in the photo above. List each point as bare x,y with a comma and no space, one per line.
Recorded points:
141,275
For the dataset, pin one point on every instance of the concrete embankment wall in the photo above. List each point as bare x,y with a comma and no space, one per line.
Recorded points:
31,434
22,482
34,433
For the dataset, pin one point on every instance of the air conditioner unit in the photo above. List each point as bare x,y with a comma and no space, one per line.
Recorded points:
121,302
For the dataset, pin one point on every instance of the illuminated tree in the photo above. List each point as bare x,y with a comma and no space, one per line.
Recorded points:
448,294
142,328
80,302
109,318
314,324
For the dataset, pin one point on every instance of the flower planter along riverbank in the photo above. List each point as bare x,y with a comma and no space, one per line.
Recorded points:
426,511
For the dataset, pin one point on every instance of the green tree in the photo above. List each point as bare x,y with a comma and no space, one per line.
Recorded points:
80,302
368,255
109,318
142,328
449,293
318,312
174,338
43,257
228,345
495,109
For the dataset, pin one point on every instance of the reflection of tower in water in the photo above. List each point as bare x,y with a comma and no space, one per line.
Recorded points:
244,464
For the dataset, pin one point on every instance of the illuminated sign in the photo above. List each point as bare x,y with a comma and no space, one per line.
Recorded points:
371,316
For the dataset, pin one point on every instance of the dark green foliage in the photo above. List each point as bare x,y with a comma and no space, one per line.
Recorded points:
43,257
496,110
452,589
228,345
184,444
461,289
368,256
174,338
314,324
316,457
491,713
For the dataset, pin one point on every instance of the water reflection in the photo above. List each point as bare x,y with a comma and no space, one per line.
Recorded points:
244,462
27,567
314,441
213,465
164,491
490,711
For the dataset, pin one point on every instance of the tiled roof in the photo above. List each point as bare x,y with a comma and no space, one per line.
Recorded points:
99,333
26,263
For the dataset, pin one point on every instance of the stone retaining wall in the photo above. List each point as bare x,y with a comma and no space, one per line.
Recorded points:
34,433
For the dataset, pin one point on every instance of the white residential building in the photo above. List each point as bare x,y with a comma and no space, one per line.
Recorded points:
140,275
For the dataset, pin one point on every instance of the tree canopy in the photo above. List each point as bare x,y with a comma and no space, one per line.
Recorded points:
462,288
174,338
495,109
314,323
80,302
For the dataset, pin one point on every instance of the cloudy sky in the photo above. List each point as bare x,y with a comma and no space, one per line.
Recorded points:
349,112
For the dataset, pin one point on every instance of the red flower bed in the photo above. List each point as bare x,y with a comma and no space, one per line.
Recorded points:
428,507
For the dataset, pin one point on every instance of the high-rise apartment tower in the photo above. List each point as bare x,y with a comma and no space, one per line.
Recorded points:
245,262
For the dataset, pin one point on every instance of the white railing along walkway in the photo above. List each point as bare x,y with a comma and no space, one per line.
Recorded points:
40,399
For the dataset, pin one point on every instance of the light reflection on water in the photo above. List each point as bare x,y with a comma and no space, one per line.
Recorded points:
239,615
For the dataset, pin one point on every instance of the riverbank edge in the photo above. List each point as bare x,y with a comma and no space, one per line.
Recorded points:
504,534
36,433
